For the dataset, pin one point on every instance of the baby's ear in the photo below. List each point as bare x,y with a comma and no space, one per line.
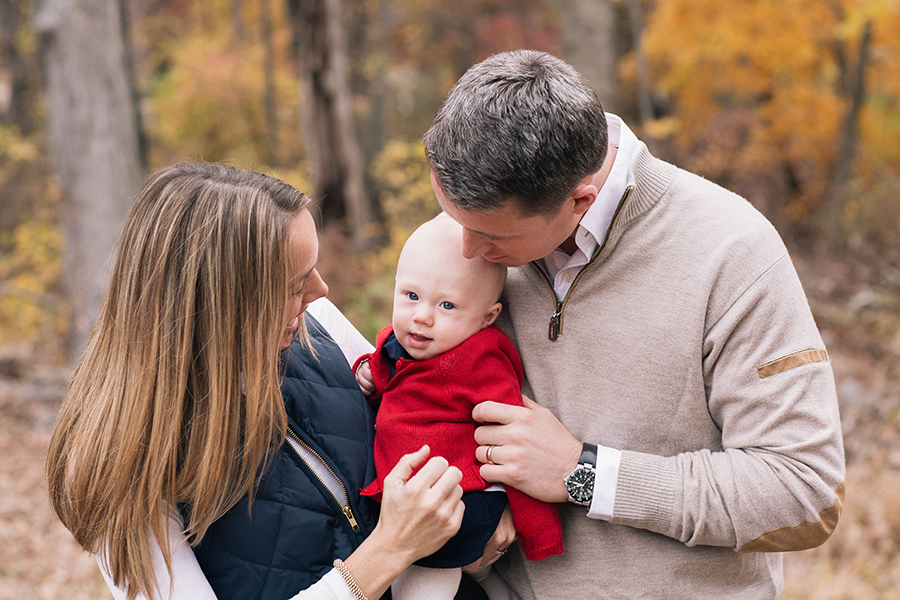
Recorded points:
492,315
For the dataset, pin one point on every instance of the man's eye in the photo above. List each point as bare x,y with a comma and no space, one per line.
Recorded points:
412,296
448,305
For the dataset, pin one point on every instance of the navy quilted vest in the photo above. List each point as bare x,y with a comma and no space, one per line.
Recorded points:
296,528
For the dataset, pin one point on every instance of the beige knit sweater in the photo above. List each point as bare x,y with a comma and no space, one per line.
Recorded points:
687,343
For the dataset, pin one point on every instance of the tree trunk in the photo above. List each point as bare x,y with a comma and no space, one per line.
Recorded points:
237,21
589,44
377,130
855,84
644,95
21,66
269,104
333,148
95,141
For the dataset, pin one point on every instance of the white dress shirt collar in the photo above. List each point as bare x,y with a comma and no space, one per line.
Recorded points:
594,223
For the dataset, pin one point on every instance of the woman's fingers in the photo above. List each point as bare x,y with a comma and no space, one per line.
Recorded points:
447,477
407,464
420,512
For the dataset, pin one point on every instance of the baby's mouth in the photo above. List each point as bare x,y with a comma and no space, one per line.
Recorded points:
418,339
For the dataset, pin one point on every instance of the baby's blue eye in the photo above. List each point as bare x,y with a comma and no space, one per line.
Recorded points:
412,296
447,305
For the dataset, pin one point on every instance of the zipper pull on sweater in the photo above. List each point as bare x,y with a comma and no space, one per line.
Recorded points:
555,329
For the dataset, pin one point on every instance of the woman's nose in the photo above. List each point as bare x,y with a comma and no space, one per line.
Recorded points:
320,288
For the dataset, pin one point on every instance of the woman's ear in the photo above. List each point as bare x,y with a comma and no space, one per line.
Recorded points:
492,315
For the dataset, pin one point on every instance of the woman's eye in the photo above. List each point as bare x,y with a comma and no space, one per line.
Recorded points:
448,305
412,296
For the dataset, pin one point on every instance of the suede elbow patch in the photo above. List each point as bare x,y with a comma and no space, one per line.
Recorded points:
780,365
807,534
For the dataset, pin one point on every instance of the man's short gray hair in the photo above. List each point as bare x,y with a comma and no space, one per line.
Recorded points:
520,126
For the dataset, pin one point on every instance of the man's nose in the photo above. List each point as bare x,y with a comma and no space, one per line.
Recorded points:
473,244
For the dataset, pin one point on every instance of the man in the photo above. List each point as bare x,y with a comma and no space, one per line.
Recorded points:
665,337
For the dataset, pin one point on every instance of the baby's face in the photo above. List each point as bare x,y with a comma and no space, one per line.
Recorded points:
438,304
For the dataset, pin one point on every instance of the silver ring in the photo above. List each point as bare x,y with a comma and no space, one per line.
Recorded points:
488,456
500,553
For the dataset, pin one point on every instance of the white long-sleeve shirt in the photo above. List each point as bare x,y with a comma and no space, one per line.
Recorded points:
188,581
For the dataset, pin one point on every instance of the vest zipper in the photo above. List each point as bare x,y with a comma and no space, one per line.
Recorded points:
556,319
345,505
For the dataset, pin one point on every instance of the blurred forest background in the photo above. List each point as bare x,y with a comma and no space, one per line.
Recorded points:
794,104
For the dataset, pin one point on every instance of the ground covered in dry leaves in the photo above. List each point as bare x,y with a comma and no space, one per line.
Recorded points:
856,305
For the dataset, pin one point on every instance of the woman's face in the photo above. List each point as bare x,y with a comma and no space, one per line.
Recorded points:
305,283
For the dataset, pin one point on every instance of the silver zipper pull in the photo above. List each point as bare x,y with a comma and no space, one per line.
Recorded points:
553,333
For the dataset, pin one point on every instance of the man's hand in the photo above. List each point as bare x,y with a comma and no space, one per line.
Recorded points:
533,452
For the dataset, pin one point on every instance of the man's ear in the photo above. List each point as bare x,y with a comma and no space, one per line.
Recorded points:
492,315
584,195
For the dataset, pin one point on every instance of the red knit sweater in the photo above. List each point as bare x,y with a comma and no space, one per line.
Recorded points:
431,401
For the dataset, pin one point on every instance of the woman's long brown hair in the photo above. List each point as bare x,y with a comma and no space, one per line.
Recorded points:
176,398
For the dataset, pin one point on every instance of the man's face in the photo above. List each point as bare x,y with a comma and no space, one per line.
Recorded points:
504,236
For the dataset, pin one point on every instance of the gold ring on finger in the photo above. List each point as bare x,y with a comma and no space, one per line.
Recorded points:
489,450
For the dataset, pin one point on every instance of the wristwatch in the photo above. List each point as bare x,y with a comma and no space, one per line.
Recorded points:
580,482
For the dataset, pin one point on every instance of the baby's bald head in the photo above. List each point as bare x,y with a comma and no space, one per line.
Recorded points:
439,242
442,298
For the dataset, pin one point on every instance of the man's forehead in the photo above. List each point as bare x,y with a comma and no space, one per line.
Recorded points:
501,222
498,224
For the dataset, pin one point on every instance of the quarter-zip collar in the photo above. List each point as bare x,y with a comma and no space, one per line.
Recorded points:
592,228
556,319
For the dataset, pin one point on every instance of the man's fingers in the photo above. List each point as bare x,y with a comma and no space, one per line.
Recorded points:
489,435
492,473
529,403
489,454
495,412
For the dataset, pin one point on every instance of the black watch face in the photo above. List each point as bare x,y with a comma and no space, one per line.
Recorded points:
581,485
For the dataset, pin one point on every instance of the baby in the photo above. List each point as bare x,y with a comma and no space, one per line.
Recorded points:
442,355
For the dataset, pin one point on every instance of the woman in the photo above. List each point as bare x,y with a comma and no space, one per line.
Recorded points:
173,427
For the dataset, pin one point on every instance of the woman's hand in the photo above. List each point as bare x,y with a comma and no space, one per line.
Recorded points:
424,511
504,535
418,515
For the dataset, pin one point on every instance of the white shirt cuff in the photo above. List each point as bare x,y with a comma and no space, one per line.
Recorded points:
605,478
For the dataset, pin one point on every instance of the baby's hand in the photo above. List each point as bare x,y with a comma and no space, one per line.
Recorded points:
365,380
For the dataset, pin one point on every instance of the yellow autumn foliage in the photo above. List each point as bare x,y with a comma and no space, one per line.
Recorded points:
760,90
32,306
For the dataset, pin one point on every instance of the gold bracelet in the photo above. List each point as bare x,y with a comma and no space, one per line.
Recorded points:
348,578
